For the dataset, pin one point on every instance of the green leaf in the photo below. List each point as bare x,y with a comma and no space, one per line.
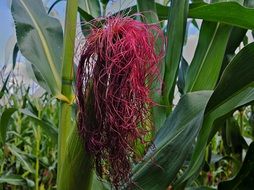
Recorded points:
105,2
12,180
40,40
176,33
4,121
29,182
234,139
89,10
84,16
245,177
22,158
183,69
84,19
236,37
249,3
46,126
3,89
225,99
78,164
240,99
172,143
14,55
240,68
92,7
99,184
239,15
38,77
148,9
205,67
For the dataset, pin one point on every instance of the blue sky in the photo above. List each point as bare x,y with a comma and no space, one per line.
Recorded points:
6,29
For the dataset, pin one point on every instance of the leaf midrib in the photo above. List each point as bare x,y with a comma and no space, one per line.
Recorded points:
204,58
45,46
163,146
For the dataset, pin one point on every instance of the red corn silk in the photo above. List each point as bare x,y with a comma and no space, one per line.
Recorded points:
118,64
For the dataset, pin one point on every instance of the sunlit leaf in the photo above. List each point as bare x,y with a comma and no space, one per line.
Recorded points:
40,40
209,54
91,7
175,40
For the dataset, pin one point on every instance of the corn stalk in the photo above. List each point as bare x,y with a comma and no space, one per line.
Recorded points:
65,124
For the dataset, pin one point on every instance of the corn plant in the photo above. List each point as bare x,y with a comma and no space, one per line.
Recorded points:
216,91
28,138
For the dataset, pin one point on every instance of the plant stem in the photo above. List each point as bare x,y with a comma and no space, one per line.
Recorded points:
37,164
65,123
74,166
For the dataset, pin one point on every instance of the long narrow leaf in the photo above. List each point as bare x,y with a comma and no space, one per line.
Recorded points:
88,10
176,31
148,9
240,68
172,143
236,37
225,99
3,89
78,165
4,121
40,40
12,180
22,158
183,69
47,127
92,7
239,16
206,65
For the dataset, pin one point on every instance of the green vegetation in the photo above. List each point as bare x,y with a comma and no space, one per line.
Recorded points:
204,141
